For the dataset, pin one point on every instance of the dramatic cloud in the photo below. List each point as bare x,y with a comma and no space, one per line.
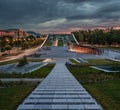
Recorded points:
58,15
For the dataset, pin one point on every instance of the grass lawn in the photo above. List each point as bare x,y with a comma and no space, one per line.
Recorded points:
103,62
109,47
107,93
48,42
85,74
12,94
74,61
104,87
8,62
39,73
60,42
35,60
79,63
16,61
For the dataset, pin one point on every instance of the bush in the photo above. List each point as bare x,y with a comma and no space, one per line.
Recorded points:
22,62
25,45
8,47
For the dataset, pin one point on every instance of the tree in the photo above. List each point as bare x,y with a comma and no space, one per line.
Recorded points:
25,45
8,48
98,36
22,62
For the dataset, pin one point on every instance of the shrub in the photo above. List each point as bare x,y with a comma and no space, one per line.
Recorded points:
22,62
8,47
25,45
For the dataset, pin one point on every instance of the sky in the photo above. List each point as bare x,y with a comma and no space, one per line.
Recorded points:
58,16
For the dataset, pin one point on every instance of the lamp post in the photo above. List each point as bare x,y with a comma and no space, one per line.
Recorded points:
18,35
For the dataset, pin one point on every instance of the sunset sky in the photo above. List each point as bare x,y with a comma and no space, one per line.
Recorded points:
58,15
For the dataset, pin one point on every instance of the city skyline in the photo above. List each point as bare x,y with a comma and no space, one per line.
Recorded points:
59,16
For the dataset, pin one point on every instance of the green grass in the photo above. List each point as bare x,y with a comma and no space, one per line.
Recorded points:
12,94
79,63
39,73
60,42
85,74
109,47
8,62
35,60
103,62
48,42
105,87
16,61
107,93
74,61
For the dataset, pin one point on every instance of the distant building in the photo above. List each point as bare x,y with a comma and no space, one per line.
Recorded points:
18,32
6,33
13,32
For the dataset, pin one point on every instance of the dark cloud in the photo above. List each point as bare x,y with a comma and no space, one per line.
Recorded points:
107,10
113,7
20,10
57,15
81,1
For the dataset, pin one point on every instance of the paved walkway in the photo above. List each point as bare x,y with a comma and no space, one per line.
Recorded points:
59,91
